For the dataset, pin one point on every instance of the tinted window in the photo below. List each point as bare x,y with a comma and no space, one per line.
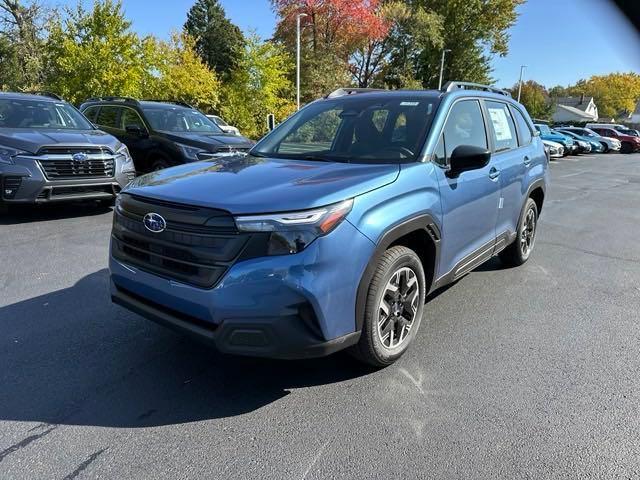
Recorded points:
108,117
464,126
90,113
178,119
524,131
502,126
130,117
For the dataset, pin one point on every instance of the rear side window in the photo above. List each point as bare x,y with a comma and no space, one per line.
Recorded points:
524,131
502,126
464,126
108,117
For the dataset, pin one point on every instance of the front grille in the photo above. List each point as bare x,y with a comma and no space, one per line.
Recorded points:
197,246
81,191
63,163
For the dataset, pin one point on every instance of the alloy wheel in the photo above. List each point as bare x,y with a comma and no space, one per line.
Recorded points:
398,307
528,233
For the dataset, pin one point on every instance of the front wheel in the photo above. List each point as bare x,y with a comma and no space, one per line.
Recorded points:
626,147
394,307
520,250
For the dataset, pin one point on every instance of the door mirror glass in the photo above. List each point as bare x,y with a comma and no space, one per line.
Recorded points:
467,157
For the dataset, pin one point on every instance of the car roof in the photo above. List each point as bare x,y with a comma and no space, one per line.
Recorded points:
28,96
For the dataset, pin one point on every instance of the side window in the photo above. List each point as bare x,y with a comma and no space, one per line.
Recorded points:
464,126
130,117
502,126
524,131
439,155
90,113
108,117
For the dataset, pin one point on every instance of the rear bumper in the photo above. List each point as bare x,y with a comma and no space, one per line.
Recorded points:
27,184
285,337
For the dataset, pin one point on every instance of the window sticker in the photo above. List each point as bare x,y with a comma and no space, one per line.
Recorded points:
500,124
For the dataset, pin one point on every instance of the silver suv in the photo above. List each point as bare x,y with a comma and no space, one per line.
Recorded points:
50,152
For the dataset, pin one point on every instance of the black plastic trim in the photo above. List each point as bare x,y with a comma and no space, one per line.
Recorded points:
421,222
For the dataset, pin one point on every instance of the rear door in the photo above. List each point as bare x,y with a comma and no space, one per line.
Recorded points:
107,119
470,200
512,158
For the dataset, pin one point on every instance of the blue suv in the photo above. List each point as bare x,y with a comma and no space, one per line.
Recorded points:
333,229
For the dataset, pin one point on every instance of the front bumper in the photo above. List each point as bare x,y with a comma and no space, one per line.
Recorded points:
288,306
25,182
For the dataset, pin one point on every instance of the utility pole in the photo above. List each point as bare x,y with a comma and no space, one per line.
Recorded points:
444,51
298,17
522,67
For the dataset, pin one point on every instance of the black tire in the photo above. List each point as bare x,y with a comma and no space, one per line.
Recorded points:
626,147
516,254
605,147
159,165
397,262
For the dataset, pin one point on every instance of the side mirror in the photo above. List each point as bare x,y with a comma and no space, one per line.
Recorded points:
136,130
467,157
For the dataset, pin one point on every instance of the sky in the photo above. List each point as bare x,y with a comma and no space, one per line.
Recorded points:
560,41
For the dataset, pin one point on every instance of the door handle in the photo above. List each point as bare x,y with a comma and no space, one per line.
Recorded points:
526,161
494,173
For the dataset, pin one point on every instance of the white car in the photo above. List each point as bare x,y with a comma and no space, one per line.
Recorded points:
556,150
224,126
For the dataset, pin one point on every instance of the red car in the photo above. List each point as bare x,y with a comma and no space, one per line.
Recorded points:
629,143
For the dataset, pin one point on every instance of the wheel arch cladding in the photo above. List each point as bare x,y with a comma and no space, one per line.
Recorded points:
422,235
537,194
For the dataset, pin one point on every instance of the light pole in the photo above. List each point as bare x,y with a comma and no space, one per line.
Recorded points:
522,67
298,17
442,67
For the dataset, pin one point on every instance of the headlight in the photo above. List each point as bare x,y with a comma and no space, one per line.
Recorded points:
291,232
125,158
7,154
192,154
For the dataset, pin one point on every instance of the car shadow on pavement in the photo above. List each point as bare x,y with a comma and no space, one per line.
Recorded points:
17,214
71,357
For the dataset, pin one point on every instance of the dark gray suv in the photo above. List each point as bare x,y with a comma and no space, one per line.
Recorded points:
50,152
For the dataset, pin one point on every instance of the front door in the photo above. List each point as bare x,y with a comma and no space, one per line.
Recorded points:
470,200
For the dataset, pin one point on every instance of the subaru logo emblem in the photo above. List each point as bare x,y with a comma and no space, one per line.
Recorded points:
154,222
80,157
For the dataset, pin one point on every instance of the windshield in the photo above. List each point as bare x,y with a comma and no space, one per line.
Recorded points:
352,129
41,114
220,121
179,119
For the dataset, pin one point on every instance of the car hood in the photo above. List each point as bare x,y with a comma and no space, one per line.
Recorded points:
208,140
32,140
554,137
248,184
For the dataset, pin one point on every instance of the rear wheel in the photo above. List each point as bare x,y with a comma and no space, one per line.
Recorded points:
394,307
605,147
520,250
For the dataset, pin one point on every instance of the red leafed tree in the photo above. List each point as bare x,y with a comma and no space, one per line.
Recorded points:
338,26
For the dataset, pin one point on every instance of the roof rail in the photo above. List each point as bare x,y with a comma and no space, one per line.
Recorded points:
111,99
44,93
455,85
175,102
351,91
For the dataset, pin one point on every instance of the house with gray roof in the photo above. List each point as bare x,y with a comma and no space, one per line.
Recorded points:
575,109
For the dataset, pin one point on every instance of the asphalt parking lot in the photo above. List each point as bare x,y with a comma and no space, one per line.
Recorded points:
517,373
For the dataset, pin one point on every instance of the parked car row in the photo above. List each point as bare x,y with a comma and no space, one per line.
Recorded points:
50,151
570,140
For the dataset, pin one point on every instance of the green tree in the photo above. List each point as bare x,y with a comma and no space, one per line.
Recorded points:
259,86
473,31
21,43
178,73
535,98
95,53
218,41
